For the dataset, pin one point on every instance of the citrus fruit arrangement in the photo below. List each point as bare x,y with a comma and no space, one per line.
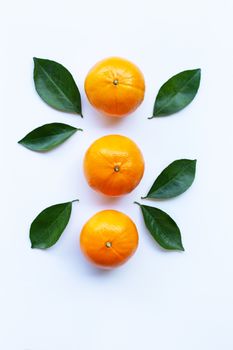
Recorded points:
113,165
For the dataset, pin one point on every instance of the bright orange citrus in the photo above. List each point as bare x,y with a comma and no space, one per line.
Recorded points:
113,165
109,239
115,86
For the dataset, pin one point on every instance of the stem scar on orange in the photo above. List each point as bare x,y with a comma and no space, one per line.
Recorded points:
115,86
109,239
113,165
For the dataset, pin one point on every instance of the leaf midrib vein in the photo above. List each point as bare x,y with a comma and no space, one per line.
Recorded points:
58,88
172,97
48,229
53,135
172,179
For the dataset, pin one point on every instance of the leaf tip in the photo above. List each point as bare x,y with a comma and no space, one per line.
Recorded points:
180,246
198,72
75,200
194,163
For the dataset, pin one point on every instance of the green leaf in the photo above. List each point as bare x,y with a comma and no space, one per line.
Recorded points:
177,93
56,86
47,136
173,180
48,226
162,228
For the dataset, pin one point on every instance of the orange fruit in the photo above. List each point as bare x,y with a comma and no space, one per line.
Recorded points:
113,165
109,239
115,86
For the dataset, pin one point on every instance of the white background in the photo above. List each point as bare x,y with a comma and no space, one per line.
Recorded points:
55,300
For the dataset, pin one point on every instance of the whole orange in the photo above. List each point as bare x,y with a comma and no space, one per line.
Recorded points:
113,165
109,239
115,86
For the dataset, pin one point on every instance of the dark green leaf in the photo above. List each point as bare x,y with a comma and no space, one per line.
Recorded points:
177,93
173,180
48,136
162,228
56,86
48,226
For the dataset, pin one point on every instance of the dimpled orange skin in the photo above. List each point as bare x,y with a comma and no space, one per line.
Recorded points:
113,165
115,86
109,239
